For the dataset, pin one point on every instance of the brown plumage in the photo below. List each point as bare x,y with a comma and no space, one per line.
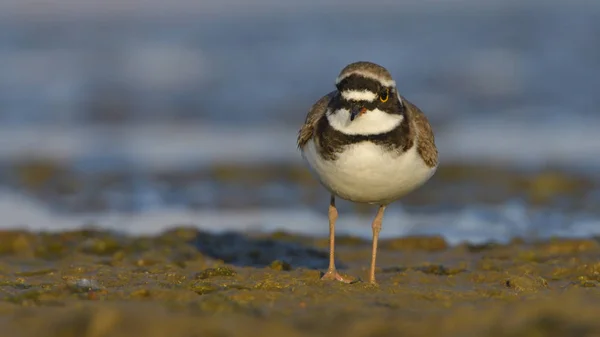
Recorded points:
316,112
375,70
425,138
417,119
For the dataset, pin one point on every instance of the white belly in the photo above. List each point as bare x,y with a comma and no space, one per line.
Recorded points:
367,173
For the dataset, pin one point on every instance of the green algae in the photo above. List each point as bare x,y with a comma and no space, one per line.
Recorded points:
26,297
440,270
432,243
270,285
203,288
18,284
419,282
40,272
526,283
280,265
215,272
101,246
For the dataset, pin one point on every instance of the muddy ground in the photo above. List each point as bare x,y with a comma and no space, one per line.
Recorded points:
188,283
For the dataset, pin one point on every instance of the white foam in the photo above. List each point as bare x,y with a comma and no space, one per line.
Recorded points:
476,224
566,141
155,146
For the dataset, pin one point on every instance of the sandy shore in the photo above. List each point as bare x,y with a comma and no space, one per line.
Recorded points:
189,283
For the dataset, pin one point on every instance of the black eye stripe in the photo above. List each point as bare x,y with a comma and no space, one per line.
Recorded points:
361,83
391,106
357,82
346,104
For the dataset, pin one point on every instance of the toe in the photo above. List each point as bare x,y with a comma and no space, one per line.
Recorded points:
333,275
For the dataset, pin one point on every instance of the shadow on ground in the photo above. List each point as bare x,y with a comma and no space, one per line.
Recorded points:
244,251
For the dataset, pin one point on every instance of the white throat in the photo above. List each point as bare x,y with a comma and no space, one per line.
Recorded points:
370,123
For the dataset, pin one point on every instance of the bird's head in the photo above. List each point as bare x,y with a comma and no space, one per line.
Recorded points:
366,101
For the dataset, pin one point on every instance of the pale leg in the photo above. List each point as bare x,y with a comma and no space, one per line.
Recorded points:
332,273
376,226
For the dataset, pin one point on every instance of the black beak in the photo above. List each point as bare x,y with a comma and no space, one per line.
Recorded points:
356,111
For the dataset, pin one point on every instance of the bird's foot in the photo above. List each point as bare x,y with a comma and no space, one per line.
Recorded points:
333,275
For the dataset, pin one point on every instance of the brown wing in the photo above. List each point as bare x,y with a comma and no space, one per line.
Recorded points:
426,140
314,115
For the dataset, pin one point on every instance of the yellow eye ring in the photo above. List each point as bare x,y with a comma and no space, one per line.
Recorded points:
384,95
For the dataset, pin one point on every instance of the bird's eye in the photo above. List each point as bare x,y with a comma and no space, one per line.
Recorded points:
384,95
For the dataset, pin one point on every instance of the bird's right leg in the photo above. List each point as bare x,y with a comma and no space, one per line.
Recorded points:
332,273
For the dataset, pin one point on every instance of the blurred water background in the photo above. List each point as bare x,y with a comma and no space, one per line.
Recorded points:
141,115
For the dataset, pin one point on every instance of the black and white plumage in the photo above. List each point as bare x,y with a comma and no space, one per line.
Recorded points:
366,143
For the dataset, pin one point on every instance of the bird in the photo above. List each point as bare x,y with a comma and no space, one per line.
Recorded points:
366,143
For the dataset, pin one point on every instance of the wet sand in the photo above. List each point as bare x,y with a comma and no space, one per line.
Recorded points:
190,283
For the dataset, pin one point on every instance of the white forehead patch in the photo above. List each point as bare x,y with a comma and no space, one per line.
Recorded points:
384,82
359,95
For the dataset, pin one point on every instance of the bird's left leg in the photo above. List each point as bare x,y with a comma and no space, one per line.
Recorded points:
332,273
376,226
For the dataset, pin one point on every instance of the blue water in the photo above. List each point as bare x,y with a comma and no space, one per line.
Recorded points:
513,84
526,61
